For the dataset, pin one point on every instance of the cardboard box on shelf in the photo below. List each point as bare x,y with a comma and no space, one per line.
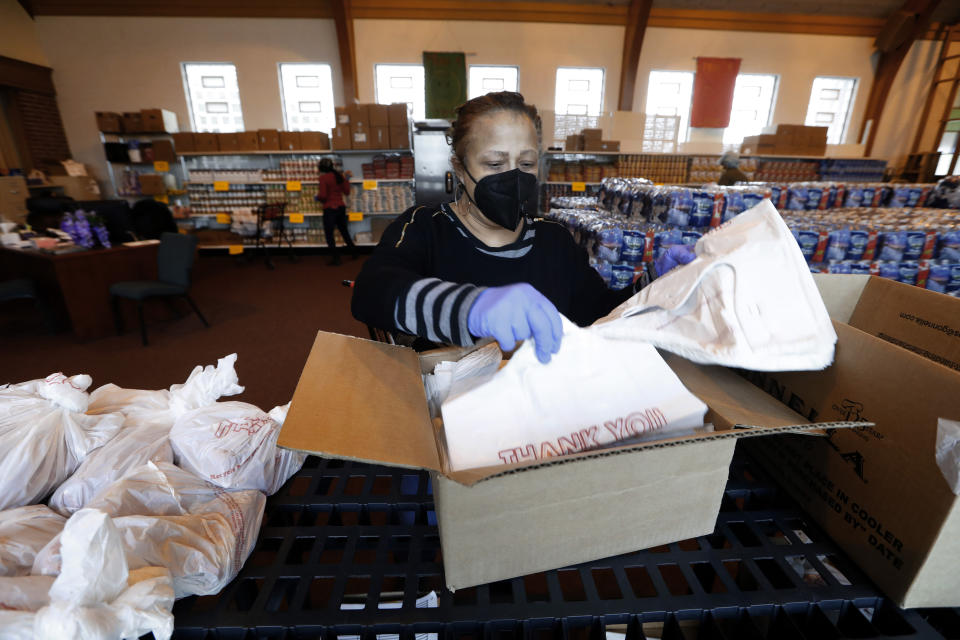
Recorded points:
399,137
184,141
314,141
158,120
248,141
13,198
574,143
152,184
592,135
163,150
379,115
609,145
592,145
342,138
359,116
360,136
379,137
78,187
228,142
206,142
759,145
269,139
397,115
290,141
132,122
625,499
342,115
878,492
109,122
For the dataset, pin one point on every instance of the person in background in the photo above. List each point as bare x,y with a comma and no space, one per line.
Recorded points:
481,266
333,186
730,161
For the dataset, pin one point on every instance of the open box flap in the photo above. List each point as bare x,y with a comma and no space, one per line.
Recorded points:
361,400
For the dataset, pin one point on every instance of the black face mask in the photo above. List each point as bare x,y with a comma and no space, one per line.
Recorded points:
504,198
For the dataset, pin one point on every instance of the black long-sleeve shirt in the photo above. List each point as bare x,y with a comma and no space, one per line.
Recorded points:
429,268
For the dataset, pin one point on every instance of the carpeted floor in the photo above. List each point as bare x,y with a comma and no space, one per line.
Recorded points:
269,318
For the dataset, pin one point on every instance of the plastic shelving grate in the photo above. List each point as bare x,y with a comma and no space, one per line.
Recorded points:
342,534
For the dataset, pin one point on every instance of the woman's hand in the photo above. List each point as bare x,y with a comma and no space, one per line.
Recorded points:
517,312
348,174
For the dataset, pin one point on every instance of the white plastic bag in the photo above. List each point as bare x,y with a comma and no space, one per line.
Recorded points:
23,532
95,597
148,417
593,392
234,445
45,434
948,452
169,517
747,300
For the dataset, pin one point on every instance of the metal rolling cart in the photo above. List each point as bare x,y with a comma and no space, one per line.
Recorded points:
346,549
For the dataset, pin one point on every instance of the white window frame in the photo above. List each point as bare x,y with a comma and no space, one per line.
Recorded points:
811,117
591,110
196,100
731,136
473,91
653,105
417,92
324,96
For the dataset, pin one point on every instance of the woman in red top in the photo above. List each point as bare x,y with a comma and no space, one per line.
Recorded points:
333,186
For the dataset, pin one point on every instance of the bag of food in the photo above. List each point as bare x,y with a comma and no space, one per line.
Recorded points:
148,416
23,532
170,518
45,434
234,445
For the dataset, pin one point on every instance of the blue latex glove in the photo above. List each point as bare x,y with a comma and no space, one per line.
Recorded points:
673,257
517,312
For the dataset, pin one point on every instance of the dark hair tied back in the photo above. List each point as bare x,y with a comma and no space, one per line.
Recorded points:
472,109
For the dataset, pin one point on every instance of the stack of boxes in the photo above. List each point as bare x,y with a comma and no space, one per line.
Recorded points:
372,126
591,140
245,141
143,121
789,140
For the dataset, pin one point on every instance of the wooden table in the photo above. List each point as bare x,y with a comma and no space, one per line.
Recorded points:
77,285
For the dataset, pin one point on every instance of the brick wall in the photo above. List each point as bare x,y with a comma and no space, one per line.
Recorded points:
42,128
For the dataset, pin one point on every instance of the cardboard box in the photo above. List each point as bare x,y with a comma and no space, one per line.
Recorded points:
363,400
109,122
13,198
206,142
184,142
609,145
290,141
228,142
159,120
133,122
81,188
248,141
399,137
314,141
163,150
269,139
574,143
380,137
360,137
152,184
592,145
397,115
379,115
878,492
592,135
759,145
342,115
342,138
359,116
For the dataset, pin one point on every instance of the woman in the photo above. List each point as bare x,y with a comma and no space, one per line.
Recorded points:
730,161
479,267
333,186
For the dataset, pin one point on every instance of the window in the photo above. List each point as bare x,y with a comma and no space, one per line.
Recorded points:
489,79
753,97
307,93
831,100
578,101
402,83
213,96
669,93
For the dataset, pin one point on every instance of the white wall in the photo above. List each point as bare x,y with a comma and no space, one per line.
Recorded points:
128,64
18,34
537,48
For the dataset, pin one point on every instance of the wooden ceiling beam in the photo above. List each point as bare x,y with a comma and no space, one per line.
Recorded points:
637,18
186,8
346,43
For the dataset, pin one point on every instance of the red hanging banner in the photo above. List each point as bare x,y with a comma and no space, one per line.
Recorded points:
713,92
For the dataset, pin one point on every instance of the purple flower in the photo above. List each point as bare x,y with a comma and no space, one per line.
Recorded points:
102,236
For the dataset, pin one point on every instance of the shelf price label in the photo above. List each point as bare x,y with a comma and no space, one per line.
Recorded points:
161,165
578,186
223,218
165,199
355,216
369,185
221,185
235,249
296,218
294,185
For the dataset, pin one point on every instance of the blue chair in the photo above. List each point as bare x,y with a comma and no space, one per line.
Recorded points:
174,262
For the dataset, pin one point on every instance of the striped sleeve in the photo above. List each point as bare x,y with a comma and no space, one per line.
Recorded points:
437,310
